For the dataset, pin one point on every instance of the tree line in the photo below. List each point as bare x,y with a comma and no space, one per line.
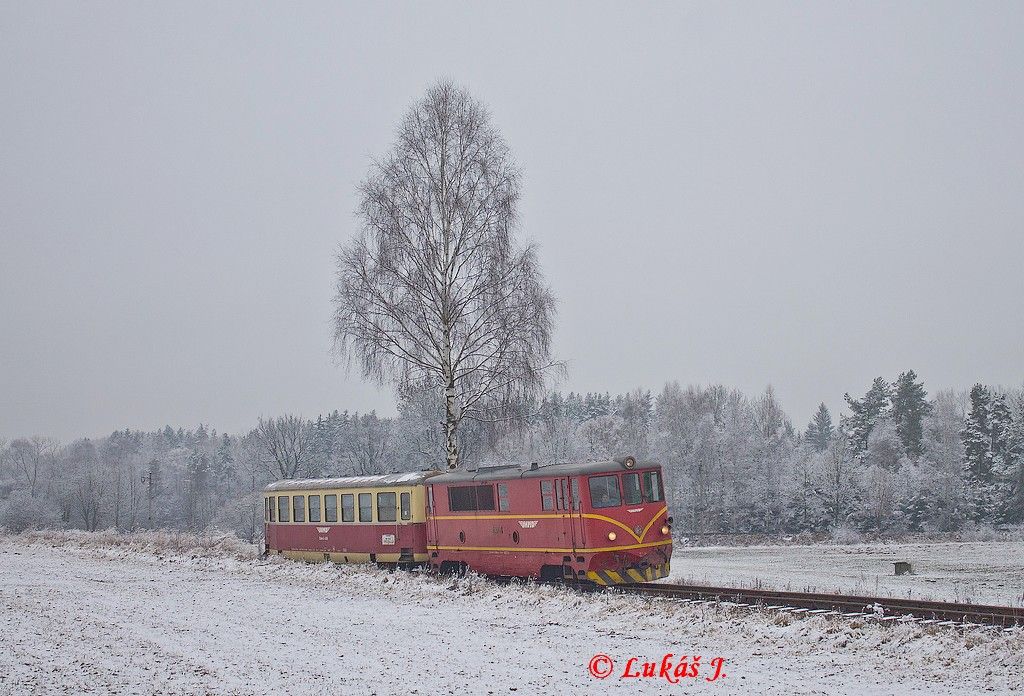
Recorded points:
897,462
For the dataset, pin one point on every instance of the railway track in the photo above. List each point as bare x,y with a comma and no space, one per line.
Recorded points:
886,609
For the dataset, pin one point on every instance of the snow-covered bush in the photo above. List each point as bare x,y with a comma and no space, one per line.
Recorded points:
155,542
21,511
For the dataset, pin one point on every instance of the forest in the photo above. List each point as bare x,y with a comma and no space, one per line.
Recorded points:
896,461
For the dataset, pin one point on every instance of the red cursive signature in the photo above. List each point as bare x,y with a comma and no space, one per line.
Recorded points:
671,668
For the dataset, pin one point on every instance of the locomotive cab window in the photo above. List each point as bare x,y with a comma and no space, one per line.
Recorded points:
348,507
365,507
282,508
653,491
299,508
386,507
406,507
314,508
631,489
604,491
330,508
503,496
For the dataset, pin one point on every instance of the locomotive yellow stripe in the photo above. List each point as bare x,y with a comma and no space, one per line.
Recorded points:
635,575
591,575
565,516
588,549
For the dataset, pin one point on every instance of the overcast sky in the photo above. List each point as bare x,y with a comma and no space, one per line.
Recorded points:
807,195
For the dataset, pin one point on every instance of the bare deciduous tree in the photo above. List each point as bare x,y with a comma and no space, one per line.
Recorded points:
435,292
29,457
285,439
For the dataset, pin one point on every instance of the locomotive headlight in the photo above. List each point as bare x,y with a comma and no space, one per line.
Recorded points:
611,536
664,529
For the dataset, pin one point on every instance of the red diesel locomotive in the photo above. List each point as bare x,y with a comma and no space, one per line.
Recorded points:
604,522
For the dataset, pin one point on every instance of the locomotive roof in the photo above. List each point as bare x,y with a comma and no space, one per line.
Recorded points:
494,473
376,481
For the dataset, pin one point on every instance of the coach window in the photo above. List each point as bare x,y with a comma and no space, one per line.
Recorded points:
299,508
631,489
604,491
314,508
348,507
547,495
282,508
386,507
273,507
365,507
653,492
503,496
266,509
330,508
406,506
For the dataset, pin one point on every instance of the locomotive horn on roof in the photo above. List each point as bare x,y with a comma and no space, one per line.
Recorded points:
628,462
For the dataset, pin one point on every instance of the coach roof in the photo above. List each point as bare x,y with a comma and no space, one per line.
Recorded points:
413,478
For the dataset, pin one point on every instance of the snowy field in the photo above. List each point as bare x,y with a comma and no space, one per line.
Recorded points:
976,572
107,614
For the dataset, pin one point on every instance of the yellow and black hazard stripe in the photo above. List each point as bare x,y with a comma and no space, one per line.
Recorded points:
618,577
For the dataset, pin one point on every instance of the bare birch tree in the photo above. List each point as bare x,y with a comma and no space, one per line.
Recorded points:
435,293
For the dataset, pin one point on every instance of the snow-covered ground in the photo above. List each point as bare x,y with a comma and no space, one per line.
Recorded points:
99,614
976,572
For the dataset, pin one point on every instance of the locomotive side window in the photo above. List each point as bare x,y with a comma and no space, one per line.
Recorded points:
406,507
575,494
282,508
652,487
547,495
330,508
314,508
503,496
460,499
485,497
348,508
631,489
469,498
365,507
604,491
299,508
386,507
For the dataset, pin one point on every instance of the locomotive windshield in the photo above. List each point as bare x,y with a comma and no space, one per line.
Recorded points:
604,491
631,489
653,492
638,487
